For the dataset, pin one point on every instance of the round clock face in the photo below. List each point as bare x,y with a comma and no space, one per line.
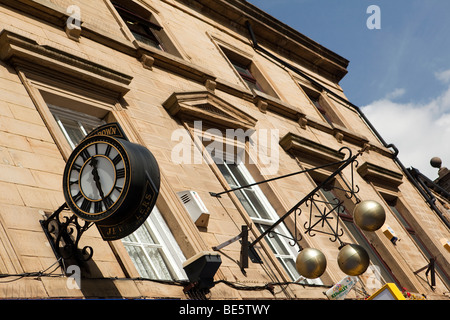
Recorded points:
96,178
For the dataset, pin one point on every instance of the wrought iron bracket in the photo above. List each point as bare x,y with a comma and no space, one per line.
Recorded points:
246,251
315,223
64,233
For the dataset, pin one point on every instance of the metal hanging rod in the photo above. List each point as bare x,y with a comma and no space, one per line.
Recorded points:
217,195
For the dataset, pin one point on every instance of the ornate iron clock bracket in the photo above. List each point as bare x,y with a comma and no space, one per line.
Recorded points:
64,233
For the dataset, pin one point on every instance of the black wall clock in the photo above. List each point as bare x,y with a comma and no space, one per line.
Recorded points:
112,182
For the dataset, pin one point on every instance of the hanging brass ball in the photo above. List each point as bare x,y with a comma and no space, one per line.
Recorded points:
353,260
369,215
311,263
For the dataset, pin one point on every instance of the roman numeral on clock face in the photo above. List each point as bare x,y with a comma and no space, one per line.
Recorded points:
120,173
86,205
77,197
108,150
76,167
107,202
98,206
85,155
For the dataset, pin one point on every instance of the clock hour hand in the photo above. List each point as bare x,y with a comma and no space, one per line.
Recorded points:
93,164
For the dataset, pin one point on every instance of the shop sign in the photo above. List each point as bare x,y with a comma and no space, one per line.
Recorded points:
341,289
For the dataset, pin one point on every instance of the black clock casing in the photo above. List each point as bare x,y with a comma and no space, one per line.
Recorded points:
112,182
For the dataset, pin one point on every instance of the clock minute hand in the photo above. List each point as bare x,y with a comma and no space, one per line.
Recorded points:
93,164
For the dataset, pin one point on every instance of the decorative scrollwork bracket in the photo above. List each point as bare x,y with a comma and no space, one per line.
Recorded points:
64,233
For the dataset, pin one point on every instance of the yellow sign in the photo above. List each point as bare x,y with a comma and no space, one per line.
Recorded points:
388,292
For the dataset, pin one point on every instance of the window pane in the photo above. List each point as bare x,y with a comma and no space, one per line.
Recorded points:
237,174
253,85
74,125
147,39
130,238
276,243
400,217
88,127
246,204
257,204
243,71
144,235
73,129
139,259
290,266
227,175
159,263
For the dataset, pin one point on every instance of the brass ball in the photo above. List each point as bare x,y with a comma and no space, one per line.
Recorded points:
353,260
369,215
311,263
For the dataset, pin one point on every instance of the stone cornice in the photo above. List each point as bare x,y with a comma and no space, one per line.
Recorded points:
310,151
279,37
19,50
380,176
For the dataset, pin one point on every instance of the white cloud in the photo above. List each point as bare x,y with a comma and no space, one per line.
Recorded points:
443,76
420,131
397,93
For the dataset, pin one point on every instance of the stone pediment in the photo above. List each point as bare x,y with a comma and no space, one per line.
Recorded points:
206,106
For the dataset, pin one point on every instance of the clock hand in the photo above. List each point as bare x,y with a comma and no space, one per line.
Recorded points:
93,164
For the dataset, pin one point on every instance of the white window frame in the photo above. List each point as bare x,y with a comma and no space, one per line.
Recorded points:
172,255
81,118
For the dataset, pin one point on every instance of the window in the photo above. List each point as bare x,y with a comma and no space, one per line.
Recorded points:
246,75
263,216
154,251
152,247
74,125
397,208
314,96
248,72
139,24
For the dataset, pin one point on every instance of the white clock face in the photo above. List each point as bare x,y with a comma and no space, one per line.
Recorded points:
97,178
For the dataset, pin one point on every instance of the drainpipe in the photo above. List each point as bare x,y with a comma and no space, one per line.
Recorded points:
431,201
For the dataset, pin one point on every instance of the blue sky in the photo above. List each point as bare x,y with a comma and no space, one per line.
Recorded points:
399,74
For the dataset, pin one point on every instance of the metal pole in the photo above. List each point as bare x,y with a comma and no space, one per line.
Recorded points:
276,178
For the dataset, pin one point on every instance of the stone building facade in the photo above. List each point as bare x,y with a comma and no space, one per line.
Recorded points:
223,95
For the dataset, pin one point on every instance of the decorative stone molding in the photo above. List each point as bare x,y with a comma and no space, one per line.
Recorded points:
19,50
205,105
210,85
73,33
344,134
147,61
310,151
266,102
380,176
